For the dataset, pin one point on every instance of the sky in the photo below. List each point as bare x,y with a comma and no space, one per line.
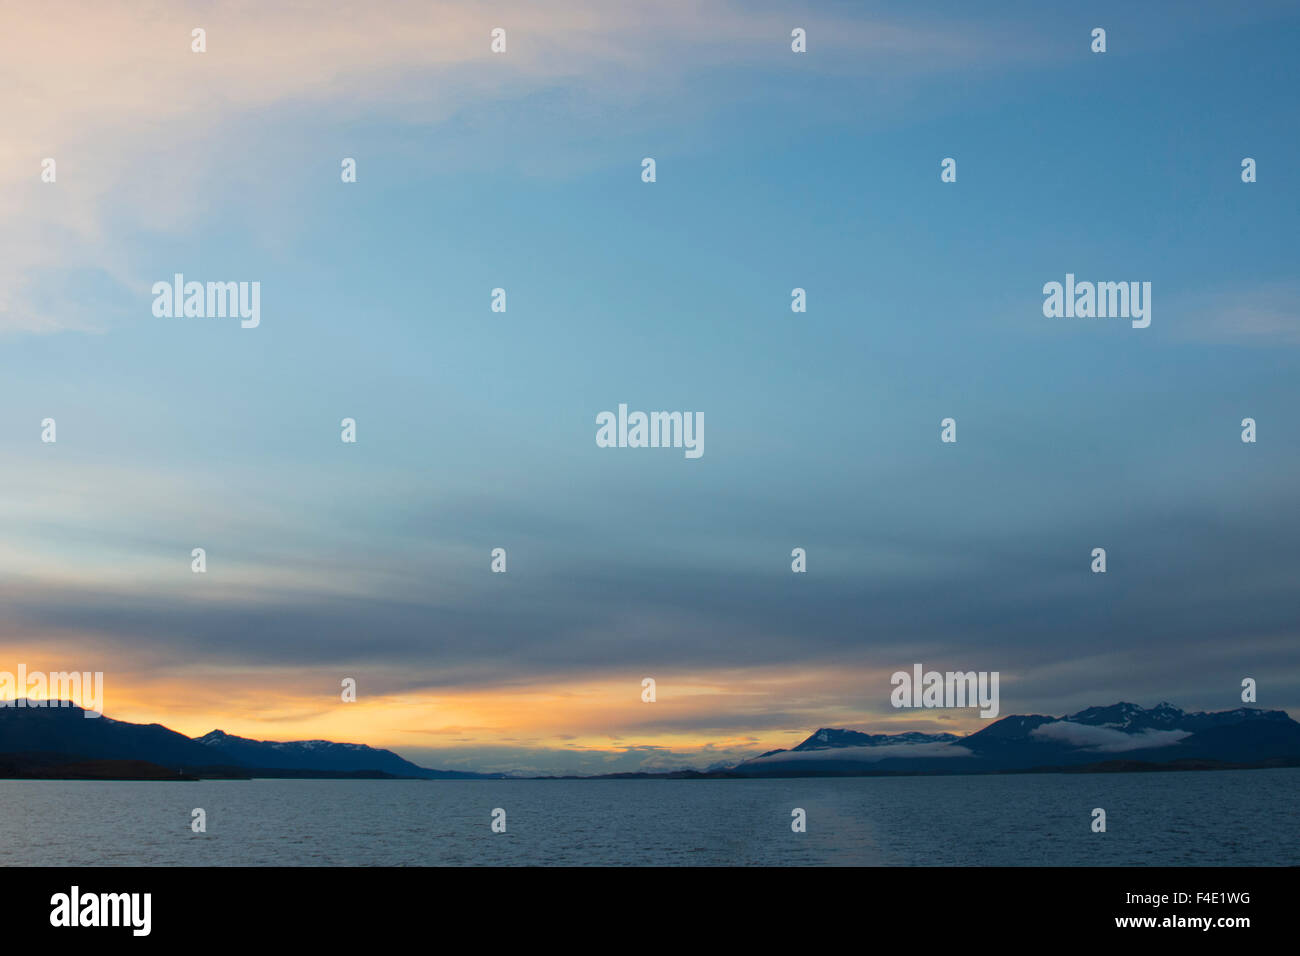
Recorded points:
476,429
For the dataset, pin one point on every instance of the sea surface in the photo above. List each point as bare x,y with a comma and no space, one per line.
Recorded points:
1243,818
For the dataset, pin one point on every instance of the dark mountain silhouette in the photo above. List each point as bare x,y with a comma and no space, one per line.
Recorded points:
828,738
1121,733
64,732
314,755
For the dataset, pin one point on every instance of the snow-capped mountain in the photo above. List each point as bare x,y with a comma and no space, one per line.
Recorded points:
830,738
1131,718
1119,732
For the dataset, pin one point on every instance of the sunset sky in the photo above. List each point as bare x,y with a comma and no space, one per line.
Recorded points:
476,429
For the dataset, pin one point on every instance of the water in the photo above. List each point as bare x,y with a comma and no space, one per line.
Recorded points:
1207,818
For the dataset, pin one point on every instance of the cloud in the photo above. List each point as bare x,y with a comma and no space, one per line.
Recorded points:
1105,739
151,138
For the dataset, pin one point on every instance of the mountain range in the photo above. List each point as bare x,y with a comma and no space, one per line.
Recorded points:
35,741
50,742
1121,736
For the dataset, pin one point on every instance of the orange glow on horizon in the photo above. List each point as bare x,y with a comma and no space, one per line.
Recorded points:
699,712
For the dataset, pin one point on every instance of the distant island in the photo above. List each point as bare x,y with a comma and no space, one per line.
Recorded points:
59,742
